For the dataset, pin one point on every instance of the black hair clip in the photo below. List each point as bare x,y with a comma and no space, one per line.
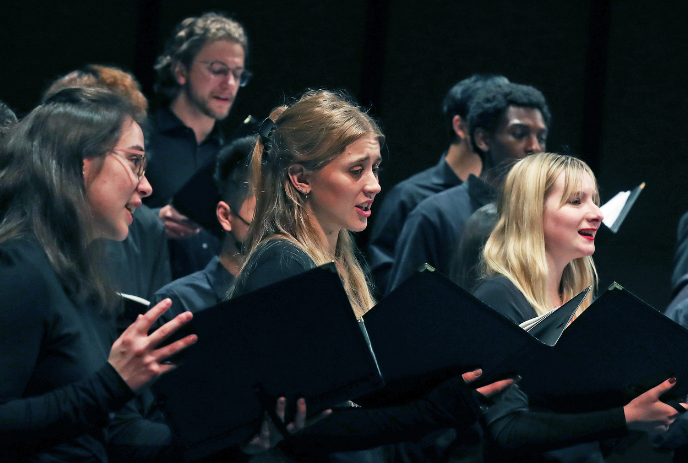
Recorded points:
265,132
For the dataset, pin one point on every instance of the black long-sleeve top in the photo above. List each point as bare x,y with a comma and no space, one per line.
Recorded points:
57,388
518,434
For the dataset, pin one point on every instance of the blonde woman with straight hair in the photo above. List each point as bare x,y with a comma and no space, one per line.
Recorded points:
516,248
315,177
538,257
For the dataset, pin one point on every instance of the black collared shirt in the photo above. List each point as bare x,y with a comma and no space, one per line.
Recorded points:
197,291
174,156
397,205
433,229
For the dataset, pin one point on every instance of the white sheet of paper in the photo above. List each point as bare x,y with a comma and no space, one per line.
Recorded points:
140,300
612,208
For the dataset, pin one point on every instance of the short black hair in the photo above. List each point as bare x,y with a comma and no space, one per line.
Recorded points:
232,171
490,103
457,100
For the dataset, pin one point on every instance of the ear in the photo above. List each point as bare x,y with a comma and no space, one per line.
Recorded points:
482,140
180,73
299,177
224,212
460,127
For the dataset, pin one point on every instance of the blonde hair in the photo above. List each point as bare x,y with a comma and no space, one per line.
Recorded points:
311,132
516,247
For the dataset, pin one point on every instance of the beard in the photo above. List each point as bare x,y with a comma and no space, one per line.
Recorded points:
202,103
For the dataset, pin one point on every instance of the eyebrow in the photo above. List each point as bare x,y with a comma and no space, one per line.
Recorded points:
523,124
214,61
136,147
366,158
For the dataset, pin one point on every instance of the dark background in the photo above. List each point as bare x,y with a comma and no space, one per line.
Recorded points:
613,73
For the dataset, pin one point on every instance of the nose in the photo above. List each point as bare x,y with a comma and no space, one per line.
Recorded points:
595,215
372,187
534,145
144,188
231,80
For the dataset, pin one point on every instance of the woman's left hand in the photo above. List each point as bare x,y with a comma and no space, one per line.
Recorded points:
648,413
135,354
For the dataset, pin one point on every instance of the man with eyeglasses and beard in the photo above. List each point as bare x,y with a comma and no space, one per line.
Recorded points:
200,72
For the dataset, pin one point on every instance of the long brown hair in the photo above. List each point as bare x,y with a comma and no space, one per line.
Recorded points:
42,190
311,132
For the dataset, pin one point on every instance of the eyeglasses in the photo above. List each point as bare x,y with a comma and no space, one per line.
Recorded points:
220,69
136,159
248,224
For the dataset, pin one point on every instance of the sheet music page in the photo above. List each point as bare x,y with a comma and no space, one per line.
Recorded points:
529,324
612,208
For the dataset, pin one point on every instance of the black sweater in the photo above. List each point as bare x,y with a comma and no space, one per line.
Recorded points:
56,386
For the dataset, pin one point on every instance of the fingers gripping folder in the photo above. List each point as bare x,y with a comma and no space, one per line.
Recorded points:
300,338
296,338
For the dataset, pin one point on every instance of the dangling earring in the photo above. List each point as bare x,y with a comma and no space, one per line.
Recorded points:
304,193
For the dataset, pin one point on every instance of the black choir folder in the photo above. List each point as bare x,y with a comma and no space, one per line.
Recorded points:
429,329
299,338
198,199
296,338
617,349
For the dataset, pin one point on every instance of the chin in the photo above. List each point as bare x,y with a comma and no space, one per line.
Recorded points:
121,236
359,227
219,114
586,253
120,233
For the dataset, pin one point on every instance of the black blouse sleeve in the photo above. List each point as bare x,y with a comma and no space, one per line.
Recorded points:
61,414
31,422
448,405
511,424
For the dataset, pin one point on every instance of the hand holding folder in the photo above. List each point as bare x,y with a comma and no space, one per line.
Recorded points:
429,328
300,338
296,338
270,433
649,414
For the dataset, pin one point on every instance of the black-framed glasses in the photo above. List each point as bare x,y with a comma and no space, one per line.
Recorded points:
220,69
136,159
248,224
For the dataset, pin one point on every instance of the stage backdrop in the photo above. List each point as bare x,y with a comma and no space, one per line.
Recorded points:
612,73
